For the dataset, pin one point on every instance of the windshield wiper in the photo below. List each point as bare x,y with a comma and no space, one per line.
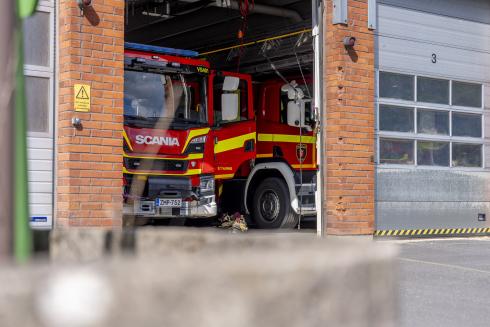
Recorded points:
138,121
152,121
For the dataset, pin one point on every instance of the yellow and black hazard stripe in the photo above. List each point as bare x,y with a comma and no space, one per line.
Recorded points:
433,232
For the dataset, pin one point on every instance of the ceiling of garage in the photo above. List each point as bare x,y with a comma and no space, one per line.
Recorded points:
205,25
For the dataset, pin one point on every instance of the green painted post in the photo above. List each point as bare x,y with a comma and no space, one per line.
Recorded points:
22,232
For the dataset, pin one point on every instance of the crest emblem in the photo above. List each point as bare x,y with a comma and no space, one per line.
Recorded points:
301,152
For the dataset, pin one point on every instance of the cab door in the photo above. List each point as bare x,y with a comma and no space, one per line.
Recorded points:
233,124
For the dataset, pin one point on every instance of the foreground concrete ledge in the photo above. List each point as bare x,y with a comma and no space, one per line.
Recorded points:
203,278
88,245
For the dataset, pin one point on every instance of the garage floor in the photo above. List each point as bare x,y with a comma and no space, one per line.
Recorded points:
445,283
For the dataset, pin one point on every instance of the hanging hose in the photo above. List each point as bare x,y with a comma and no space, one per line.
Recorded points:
297,44
264,53
244,7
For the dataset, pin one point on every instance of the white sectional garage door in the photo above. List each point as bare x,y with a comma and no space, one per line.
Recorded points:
39,81
433,62
408,39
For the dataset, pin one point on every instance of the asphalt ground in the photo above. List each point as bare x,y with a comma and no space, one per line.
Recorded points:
444,282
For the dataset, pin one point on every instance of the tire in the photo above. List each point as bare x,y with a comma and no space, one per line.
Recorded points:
272,206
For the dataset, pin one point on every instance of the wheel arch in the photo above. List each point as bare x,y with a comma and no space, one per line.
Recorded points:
271,169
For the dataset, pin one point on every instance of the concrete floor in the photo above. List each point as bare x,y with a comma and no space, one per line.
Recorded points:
444,282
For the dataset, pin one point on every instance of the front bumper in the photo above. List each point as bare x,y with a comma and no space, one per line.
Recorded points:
205,207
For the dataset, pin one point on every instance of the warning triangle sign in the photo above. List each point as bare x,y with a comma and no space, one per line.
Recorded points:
82,94
81,101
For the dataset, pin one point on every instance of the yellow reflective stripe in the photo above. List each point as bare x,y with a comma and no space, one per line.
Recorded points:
187,173
389,233
264,137
224,176
264,155
232,143
191,156
125,136
304,166
286,138
194,133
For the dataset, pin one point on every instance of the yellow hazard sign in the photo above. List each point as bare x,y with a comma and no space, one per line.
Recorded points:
81,99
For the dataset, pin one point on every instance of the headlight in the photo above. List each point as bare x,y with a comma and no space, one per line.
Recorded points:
199,139
196,145
207,184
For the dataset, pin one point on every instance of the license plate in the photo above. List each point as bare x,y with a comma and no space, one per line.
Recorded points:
168,203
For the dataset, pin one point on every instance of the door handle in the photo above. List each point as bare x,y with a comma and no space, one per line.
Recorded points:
249,146
215,140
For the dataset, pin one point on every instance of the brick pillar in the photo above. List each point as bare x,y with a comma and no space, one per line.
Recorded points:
349,87
89,160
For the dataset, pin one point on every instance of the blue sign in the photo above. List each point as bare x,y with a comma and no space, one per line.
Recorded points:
39,219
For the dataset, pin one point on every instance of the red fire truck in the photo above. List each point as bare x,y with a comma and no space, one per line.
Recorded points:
198,142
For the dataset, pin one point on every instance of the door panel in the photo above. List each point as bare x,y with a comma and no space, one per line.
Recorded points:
234,140
234,144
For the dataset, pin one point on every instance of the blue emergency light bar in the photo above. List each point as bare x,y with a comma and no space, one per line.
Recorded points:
161,50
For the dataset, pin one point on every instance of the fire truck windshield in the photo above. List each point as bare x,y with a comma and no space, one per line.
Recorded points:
172,98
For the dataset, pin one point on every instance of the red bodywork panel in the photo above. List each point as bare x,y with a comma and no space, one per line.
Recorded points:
276,137
231,147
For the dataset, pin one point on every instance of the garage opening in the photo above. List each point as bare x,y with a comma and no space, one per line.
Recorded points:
271,41
244,36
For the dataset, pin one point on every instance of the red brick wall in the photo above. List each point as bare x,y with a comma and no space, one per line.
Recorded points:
350,113
89,162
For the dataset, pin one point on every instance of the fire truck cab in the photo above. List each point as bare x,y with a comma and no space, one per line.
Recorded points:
198,141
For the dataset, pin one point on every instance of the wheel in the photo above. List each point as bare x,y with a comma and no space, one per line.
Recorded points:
272,205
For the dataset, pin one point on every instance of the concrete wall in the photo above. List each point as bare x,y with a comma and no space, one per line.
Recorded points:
201,278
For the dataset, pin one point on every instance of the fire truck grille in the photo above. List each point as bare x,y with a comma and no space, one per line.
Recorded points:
149,164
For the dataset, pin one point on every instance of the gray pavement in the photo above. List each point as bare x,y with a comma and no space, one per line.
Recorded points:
444,283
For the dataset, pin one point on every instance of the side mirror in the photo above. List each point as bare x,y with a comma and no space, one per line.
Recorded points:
297,114
229,106
231,83
296,117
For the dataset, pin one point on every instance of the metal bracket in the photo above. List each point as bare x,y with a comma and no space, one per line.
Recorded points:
372,13
339,12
